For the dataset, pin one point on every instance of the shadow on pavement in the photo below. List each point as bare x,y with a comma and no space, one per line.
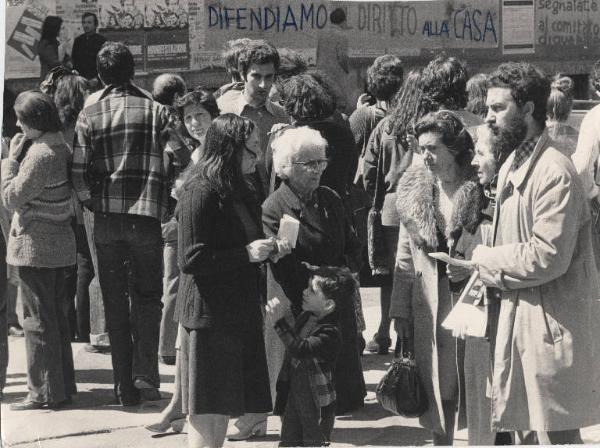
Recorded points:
370,412
388,436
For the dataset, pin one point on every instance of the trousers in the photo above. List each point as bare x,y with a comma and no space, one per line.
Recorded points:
129,249
50,371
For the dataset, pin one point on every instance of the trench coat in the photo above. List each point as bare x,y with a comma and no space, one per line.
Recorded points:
418,293
546,368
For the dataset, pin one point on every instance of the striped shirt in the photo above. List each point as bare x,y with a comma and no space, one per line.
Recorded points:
120,137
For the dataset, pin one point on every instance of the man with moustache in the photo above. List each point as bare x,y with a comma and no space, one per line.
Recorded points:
546,366
258,63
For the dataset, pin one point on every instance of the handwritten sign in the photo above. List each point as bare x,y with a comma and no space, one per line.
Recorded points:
568,23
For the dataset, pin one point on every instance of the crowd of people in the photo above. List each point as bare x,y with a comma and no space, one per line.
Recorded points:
178,204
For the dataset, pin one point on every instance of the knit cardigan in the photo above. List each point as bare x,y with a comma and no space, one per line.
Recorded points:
38,190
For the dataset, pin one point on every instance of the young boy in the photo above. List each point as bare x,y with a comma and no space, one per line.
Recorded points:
305,390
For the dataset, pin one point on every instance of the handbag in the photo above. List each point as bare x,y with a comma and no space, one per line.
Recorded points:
400,390
378,260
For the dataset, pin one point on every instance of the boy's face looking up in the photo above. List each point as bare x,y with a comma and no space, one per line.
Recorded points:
314,301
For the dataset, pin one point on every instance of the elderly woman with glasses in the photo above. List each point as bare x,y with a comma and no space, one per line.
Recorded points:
325,237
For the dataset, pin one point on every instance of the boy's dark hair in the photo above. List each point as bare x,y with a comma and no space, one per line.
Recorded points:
257,52
90,14
167,87
526,83
384,77
444,84
115,64
337,284
38,111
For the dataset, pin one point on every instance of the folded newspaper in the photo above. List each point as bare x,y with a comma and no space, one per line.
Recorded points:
469,316
288,229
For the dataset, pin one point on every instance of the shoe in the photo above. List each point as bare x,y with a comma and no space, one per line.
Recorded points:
59,404
103,349
245,433
147,390
167,360
16,331
26,405
176,424
379,345
129,401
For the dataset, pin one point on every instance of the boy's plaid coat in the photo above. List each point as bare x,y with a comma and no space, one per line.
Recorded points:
317,345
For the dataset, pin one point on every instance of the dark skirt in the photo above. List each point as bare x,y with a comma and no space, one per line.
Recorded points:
224,371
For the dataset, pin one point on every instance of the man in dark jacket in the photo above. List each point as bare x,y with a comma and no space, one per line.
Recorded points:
86,48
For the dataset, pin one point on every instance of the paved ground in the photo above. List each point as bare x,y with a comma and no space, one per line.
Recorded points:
94,421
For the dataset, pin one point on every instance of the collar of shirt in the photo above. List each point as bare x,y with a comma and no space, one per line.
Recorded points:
523,152
240,102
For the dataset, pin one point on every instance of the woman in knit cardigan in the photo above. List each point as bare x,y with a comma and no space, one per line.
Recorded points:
35,185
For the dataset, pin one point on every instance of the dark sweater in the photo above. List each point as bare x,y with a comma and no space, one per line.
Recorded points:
218,286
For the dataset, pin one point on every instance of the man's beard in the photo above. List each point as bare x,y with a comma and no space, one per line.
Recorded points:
508,138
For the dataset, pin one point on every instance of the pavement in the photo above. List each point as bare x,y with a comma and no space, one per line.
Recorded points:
93,420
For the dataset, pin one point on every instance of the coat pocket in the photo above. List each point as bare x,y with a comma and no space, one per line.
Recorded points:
552,326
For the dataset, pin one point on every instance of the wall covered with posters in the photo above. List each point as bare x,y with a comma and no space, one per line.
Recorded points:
189,34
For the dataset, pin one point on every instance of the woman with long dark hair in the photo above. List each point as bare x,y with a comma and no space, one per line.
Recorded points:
392,145
48,45
221,245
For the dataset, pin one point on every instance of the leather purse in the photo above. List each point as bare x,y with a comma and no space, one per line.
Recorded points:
401,391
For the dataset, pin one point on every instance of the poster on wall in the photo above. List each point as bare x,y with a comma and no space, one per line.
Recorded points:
167,35
518,31
572,26
24,21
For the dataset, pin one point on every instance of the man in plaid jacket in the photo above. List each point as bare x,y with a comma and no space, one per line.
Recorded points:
118,173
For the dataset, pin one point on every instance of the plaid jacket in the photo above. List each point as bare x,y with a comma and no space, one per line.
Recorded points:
118,153
317,345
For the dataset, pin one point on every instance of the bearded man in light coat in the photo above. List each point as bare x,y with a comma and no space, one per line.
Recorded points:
546,367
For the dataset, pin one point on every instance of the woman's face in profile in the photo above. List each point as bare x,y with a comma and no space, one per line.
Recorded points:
437,157
484,161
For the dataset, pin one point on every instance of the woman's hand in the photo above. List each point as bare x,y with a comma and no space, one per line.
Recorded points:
282,248
459,273
405,330
16,146
259,250
276,310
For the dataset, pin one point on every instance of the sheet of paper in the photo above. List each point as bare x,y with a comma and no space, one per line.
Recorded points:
288,229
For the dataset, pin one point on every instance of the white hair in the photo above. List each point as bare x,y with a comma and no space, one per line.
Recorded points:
290,142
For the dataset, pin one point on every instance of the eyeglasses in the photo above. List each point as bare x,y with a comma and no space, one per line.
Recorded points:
313,165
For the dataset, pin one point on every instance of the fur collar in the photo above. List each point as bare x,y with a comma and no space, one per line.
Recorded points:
418,210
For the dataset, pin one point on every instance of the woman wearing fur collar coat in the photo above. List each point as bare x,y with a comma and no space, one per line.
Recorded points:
440,205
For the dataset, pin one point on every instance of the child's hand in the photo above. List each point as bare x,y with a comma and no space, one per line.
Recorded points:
276,310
